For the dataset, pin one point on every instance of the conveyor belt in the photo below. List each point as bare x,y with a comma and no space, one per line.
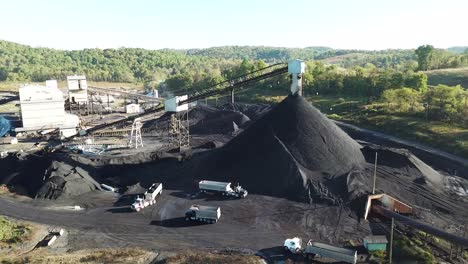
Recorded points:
220,88
459,240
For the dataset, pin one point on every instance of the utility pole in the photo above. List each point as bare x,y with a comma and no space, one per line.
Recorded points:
391,243
375,174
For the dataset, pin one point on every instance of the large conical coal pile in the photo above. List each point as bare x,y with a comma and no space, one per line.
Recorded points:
294,151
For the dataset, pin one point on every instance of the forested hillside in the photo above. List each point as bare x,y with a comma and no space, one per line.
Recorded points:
23,63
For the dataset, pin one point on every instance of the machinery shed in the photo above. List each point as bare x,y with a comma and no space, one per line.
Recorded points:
374,243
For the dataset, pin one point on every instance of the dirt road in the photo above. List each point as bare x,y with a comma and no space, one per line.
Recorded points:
253,223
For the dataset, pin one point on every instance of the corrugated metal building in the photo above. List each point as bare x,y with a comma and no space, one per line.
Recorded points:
373,243
77,89
41,107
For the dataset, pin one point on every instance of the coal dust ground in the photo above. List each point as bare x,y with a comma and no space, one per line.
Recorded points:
305,177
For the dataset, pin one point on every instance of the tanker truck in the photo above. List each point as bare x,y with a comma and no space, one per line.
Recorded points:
224,188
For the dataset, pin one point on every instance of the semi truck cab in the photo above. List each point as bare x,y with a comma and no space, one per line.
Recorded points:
293,245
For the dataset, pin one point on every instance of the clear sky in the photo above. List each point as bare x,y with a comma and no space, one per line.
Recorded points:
156,24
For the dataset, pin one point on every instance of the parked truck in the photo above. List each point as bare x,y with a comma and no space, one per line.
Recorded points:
224,188
315,249
203,213
149,197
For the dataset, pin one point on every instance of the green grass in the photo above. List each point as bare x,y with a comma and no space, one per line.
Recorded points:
12,233
451,137
413,250
456,76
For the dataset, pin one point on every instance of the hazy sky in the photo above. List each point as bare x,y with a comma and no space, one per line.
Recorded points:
156,24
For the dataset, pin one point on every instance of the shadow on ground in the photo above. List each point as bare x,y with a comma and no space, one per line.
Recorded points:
176,222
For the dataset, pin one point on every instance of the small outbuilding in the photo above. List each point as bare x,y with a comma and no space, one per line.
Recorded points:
373,243
132,109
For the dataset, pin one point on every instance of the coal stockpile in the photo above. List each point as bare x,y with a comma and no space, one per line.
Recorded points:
42,177
220,122
206,120
405,162
253,111
23,172
293,151
64,180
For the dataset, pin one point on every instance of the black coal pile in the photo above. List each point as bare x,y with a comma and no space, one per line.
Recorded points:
220,122
23,172
64,180
253,111
293,151
206,120
44,177
406,162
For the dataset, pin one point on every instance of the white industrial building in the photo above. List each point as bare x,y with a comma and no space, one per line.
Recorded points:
132,108
43,108
77,89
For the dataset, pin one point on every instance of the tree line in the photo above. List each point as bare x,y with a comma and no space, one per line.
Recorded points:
441,102
23,63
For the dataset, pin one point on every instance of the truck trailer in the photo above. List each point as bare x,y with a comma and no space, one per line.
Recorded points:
224,188
149,197
202,213
315,249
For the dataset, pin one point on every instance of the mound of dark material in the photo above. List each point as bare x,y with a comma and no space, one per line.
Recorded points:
220,122
44,177
293,151
253,111
65,180
23,172
405,161
206,120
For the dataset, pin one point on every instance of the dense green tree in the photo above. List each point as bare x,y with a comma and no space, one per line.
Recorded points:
424,54
447,102
402,100
3,74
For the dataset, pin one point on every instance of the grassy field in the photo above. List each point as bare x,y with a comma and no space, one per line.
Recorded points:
451,137
457,76
12,233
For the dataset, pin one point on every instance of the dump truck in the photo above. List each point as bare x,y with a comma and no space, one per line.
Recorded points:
203,213
224,188
149,197
315,249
